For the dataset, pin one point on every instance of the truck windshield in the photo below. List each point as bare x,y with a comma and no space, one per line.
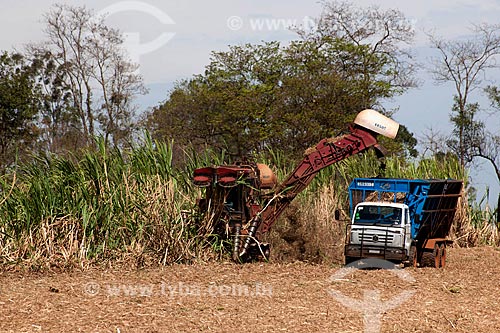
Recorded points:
381,215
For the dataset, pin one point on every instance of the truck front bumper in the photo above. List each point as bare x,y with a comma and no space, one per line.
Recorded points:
387,253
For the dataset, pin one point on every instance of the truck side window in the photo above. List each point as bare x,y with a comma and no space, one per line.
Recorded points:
359,211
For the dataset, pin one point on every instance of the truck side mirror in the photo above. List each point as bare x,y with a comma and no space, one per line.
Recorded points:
337,214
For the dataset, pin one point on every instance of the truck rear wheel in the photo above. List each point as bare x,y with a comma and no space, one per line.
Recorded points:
432,258
428,259
437,256
442,254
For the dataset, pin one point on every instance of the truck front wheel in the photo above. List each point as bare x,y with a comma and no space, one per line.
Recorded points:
349,260
412,257
413,260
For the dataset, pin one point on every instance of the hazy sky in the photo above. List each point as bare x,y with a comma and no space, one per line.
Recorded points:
172,39
197,27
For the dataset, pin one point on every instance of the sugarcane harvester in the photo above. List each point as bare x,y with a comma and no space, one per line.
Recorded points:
243,200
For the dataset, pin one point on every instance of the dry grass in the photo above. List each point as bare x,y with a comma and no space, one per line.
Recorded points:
308,230
462,297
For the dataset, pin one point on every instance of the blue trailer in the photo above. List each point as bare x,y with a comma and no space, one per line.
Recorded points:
402,220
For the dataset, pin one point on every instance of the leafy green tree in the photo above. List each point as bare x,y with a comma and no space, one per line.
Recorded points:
267,95
19,105
60,130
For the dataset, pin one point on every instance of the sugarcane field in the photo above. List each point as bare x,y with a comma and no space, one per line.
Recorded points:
300,166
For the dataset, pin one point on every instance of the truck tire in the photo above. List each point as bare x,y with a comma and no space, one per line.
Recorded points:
431,258
412,257
437,255
349,260
427,259
442,254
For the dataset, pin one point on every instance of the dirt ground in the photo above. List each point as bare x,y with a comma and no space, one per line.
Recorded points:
262,297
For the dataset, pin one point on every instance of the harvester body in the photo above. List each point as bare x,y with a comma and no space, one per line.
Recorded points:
244,200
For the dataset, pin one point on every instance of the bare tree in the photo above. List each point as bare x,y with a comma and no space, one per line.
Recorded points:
101,81
433,142
464,63
489,147
387,33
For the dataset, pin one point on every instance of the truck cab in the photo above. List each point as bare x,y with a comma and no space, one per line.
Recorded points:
380,230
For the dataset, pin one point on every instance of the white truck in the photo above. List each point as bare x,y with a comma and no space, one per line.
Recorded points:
401,220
